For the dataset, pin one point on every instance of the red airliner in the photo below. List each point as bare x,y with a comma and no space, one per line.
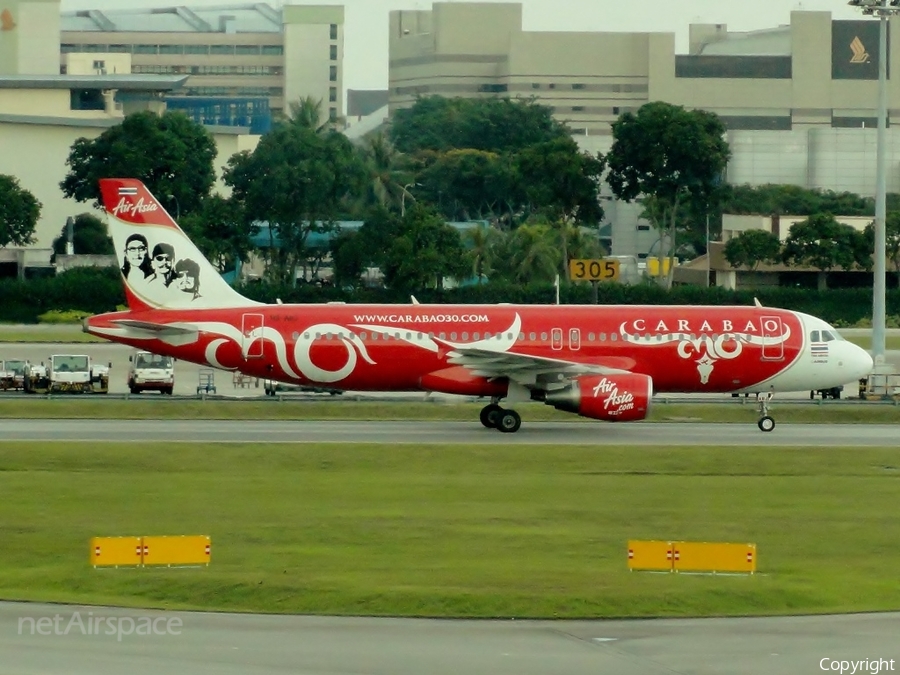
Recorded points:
602,362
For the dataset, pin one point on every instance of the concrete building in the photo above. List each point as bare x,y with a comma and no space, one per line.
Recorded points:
42,113
798,100
240,52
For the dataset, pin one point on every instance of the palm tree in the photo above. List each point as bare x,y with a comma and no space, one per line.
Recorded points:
481,248
387,178
535,255
307,113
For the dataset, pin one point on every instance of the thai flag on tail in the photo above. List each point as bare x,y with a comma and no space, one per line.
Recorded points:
127,191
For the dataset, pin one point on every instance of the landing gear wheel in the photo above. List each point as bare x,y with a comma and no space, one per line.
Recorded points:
766,423
490,415
509,421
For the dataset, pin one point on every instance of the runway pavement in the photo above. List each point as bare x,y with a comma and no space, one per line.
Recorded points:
391,433
224,644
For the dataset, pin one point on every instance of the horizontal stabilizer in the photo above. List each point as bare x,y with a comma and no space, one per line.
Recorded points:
158,329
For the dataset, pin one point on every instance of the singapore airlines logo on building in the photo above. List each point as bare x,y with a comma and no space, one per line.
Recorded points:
860,55
6,20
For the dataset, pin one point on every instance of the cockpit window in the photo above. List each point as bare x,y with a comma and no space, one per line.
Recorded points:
827,336
814,336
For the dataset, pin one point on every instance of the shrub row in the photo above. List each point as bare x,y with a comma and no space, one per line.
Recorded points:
100,290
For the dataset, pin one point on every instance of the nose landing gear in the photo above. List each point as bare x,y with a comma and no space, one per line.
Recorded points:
765,422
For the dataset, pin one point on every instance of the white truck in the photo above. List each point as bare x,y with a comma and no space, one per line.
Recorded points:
67,374
151,372
12,374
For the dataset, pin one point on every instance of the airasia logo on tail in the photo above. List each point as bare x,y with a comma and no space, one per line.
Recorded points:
614,403
127,208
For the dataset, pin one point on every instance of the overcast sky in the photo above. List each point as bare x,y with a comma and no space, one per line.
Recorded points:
366,39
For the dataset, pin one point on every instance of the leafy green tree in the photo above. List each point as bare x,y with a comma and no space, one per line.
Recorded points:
299,181
19,213
89,237
349,258
752,247
822,242
425,251
467,183
564,184
220,231
170,153
892,240
674,155
775,199
489,124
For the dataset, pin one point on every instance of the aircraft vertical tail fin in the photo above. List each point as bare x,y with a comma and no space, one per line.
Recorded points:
161,267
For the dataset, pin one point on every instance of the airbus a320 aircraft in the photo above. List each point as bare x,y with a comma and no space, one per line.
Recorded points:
601,362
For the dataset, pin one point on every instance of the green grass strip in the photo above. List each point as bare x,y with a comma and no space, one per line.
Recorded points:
450,531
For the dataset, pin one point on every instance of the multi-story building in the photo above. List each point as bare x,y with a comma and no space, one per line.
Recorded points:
799,101
252,59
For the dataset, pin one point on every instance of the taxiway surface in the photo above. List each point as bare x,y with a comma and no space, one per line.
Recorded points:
391,433
224,644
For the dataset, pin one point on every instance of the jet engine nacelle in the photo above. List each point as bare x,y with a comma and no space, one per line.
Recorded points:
614,398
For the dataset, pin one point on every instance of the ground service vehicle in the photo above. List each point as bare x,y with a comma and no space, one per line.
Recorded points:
151,372
12,374
69,374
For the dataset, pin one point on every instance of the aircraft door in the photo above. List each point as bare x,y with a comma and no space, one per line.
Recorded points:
773,343
574,339
252,347
556,340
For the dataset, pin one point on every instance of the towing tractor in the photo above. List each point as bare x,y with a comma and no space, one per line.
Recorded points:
67,374
151,372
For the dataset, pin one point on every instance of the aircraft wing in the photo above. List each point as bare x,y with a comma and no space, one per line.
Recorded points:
529,371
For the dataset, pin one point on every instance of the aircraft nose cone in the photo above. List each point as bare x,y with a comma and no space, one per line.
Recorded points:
859,362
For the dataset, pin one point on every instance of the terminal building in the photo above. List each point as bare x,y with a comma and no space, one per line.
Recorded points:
799,100
243,63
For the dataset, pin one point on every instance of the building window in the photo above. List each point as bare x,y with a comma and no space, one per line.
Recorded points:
99,65
247,50
120,49
222,49
616,110
551,86
577,86
332,94
643,228
272,50
86,99
535,85
334,31
196,49
332,114
333,52
68,48
146,49
170,49
332,74
577,108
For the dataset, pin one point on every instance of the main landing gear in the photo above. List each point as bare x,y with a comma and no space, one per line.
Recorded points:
765,423
494,417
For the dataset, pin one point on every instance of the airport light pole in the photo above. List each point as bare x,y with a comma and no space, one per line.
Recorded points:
882,9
